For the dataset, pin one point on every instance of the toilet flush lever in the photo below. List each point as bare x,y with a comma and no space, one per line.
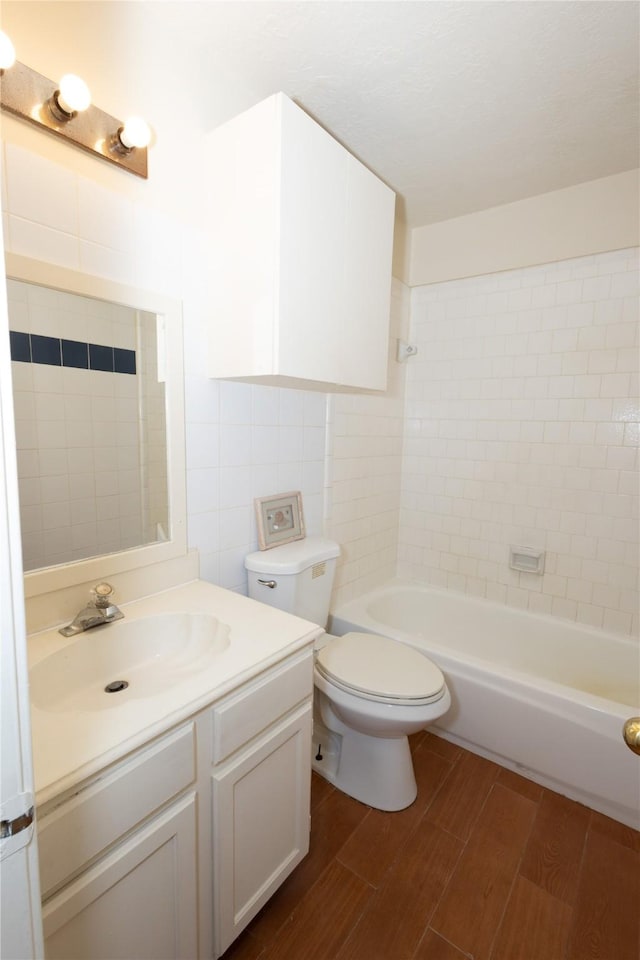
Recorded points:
269,583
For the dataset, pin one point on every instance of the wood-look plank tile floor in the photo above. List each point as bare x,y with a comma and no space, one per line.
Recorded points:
484,864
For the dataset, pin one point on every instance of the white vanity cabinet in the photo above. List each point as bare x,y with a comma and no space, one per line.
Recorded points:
261,782
302,237
118,862
169,852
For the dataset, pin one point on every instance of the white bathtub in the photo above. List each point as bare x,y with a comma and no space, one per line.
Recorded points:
539,695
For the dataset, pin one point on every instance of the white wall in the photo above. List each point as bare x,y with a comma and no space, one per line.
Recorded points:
66,207
242,441
587,218
522,427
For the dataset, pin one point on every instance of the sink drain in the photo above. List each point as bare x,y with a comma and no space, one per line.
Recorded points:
116,686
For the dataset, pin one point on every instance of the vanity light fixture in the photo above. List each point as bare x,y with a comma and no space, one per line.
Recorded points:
7,52
66,110
70,99
133,135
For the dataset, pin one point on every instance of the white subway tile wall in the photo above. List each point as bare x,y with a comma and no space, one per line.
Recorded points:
364,471
246,441
522,427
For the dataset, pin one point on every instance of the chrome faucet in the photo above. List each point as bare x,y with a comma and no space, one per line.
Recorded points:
99,610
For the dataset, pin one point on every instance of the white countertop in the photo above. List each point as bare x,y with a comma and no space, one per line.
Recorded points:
68,747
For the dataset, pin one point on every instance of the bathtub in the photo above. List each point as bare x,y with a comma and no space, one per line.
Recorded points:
541,696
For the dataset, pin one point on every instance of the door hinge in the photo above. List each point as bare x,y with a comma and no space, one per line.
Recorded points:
17,823
9,828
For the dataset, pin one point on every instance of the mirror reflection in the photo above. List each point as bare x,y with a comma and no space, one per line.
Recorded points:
90,414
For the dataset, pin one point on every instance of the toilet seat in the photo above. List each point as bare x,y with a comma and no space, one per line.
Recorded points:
377,668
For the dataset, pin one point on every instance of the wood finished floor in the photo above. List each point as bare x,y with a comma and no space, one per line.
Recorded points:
484,865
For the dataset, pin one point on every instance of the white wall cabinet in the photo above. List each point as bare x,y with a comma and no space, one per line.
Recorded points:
167,854
302,237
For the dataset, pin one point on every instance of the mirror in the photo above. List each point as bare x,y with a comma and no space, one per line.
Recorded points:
90,425
97,380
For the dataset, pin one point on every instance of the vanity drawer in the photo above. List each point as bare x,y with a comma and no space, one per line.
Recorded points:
242,716
105,809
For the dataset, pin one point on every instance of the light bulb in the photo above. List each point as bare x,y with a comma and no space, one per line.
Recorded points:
134,133
7,52
73,94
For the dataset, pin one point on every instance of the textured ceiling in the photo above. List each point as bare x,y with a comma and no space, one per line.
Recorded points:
458,106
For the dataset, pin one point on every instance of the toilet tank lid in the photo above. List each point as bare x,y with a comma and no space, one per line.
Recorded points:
292,557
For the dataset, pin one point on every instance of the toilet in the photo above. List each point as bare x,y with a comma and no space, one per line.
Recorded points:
371,692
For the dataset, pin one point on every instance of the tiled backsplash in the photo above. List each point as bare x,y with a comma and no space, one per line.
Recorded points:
522,427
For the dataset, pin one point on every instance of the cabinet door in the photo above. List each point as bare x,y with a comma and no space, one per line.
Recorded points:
336,240
140,901
364,330
261,822
313,202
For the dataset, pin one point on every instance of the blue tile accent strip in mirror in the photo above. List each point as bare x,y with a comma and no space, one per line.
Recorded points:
100,358
33,348
124,361
20,346
45,350
75,354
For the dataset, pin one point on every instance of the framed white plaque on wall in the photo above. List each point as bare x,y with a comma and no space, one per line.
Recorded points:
280,519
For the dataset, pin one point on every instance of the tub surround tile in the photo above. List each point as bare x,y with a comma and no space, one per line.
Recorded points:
513,419
364,456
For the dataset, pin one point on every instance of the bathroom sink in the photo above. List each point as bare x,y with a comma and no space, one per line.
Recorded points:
129,659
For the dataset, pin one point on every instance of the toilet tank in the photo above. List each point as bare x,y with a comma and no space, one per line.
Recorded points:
296,577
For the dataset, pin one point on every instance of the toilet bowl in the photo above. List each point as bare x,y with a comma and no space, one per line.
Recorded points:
371,692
